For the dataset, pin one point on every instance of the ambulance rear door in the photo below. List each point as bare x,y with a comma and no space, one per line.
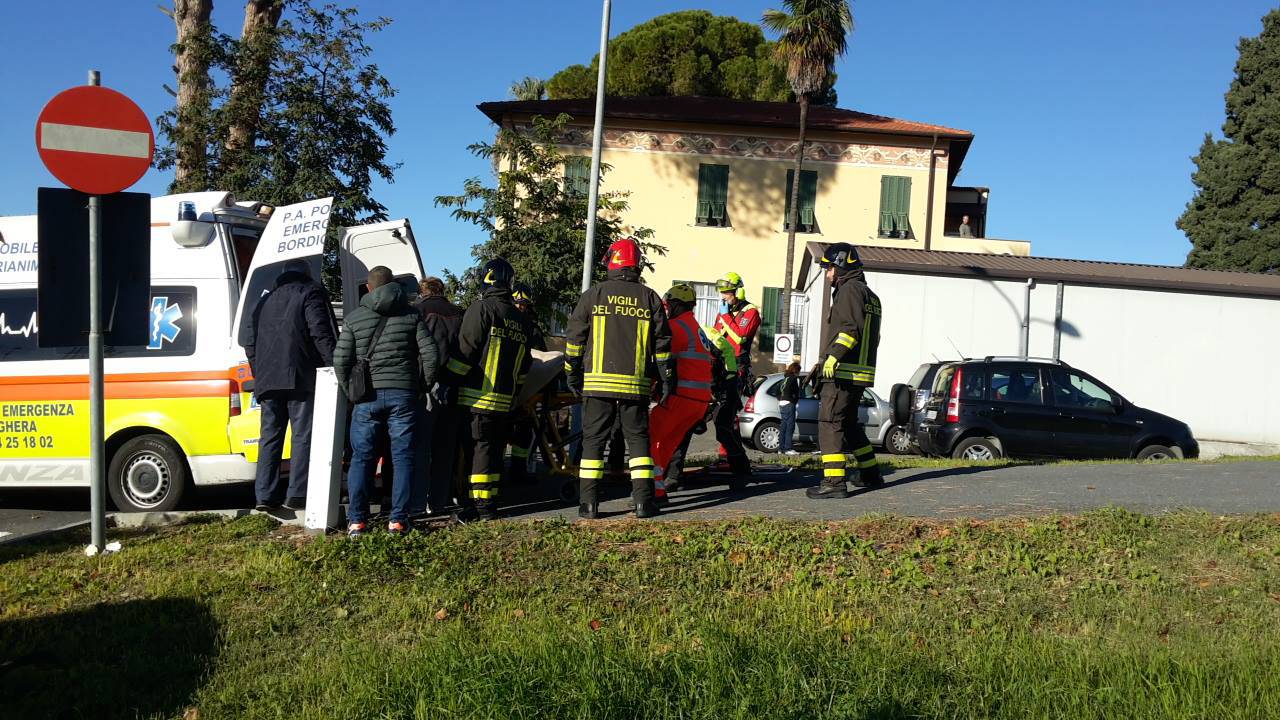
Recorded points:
367,246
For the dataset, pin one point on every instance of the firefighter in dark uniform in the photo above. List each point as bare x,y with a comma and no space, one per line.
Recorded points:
852,337
489,366
522,428
617,343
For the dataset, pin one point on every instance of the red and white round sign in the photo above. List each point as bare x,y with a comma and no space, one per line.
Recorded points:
94,139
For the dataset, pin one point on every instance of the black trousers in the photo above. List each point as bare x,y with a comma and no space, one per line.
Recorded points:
675,467
727,432
281,409
447,425
598,416
521,438
841,438
484,443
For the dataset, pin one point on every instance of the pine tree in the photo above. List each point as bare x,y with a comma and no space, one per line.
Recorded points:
1233,220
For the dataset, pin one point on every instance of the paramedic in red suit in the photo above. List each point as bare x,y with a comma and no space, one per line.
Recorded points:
671,421
738,322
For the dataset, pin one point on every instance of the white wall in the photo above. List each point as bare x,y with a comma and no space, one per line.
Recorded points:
1208,360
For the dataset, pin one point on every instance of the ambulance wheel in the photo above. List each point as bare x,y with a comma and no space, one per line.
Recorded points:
147,474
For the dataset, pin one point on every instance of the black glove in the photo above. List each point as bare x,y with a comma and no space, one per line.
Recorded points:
666,385
573,378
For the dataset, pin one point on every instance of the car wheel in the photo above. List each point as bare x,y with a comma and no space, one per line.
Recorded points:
767,436
898,441
569,491
976,449
900,400
1159,452
147,474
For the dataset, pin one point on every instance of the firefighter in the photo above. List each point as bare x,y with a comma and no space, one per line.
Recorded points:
617,343
672,421
852,337
489,366
522,428
737,323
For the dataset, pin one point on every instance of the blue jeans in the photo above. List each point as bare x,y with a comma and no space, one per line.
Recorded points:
396,413
788,425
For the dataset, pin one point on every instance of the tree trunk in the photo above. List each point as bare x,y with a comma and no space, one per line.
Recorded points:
784,317
252,67
191,63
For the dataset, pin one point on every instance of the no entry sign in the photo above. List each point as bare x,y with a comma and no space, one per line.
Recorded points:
94,139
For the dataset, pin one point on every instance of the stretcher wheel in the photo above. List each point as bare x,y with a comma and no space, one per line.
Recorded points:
569,491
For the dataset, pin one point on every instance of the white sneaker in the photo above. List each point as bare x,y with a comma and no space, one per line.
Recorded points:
791,452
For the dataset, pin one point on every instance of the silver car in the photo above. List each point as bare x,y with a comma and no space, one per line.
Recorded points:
760,421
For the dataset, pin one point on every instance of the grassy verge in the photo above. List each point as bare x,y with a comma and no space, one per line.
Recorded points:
1105,615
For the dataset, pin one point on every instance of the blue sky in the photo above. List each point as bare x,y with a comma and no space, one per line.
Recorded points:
1086,114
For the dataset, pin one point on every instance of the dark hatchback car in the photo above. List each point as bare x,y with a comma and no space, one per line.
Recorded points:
984,409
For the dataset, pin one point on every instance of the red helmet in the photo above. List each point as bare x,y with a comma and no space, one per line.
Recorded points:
624,253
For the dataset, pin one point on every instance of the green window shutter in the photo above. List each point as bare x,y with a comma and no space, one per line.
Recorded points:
807,217
713,194
808,199
770,308
895,206
577,175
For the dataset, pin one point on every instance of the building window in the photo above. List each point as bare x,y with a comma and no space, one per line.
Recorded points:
707,306
713,195
806,219
577,175
895,206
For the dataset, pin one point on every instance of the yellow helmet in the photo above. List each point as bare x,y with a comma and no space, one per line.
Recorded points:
732,282
680,292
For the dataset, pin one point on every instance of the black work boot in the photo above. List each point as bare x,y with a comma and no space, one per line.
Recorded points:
647,509
828,488
589,505
487,510
867,478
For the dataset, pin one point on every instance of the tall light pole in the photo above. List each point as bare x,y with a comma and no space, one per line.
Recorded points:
593,196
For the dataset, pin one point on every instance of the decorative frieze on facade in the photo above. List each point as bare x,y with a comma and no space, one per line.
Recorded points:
745,146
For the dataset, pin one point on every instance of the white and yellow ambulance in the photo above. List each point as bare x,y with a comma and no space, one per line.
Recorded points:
179,410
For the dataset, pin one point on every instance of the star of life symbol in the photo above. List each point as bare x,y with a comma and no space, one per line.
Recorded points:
164,322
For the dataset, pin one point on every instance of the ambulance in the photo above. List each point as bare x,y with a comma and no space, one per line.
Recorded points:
179,410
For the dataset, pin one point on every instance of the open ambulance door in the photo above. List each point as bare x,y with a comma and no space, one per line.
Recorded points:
368,246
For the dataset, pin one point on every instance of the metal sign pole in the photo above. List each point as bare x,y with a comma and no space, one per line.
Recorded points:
588,250
97,473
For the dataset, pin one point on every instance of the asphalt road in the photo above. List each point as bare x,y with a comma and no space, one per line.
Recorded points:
1220,488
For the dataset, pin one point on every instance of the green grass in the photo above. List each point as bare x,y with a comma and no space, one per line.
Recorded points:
1106,615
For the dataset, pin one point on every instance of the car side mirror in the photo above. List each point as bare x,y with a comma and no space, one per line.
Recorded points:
1117,404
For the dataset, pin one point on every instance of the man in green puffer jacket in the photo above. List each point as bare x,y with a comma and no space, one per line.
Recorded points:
403,366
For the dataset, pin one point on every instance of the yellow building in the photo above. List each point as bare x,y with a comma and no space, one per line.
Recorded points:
711,177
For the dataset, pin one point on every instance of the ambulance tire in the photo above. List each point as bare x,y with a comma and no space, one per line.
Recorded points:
147,473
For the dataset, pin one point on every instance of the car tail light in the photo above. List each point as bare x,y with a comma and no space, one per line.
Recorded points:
750,407
235,399
953,405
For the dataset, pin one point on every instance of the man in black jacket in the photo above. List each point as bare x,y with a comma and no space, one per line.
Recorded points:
852,338
490,366
402,362
437,457
618,343
291,334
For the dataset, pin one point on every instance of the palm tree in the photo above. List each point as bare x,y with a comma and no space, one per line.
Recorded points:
813,33
530,88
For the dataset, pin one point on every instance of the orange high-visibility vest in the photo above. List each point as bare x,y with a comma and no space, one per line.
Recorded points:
693,358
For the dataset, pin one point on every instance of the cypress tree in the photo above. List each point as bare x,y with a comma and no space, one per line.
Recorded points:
1233,220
